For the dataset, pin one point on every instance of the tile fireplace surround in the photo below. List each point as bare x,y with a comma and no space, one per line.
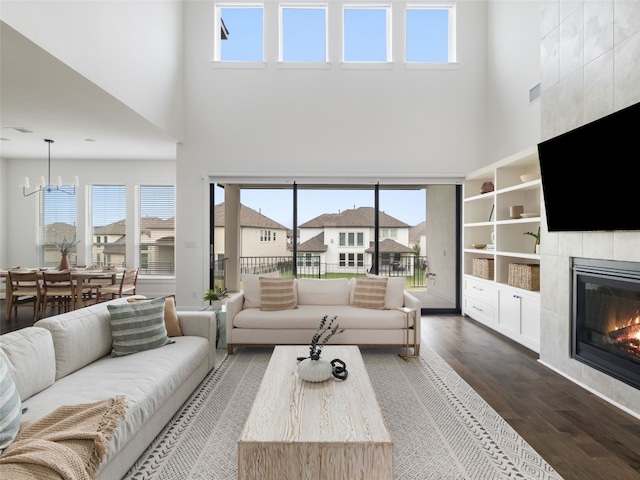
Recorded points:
558,251
586,72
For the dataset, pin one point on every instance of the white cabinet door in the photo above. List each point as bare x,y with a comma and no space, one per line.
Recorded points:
519,316
508,312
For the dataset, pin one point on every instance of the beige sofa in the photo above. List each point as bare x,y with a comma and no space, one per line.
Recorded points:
65,360
249,324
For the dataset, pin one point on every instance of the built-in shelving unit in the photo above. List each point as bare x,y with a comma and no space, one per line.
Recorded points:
487,219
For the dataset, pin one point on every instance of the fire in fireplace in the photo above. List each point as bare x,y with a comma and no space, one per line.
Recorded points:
606,317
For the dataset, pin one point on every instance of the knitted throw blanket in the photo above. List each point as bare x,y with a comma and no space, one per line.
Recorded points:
67,444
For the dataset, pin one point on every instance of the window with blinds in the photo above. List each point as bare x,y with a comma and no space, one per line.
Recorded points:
58,223
108,220
157,230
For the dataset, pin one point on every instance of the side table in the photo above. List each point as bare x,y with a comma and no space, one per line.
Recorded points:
410,312
221,326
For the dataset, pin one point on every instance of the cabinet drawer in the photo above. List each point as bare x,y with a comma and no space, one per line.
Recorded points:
483,291
479,310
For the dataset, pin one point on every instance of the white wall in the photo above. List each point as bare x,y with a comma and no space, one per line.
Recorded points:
513,68
131,49
321,121
590,57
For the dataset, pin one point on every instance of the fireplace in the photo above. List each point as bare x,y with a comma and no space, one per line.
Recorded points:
606,317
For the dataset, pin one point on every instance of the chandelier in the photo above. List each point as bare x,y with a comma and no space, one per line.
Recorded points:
46,185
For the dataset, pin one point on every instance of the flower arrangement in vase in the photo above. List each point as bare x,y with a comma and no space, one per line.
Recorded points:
65,248
313,368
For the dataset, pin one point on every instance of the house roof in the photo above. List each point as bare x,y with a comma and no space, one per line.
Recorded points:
416,232
315,244
57,232
390,246
354,217
248,218
115,228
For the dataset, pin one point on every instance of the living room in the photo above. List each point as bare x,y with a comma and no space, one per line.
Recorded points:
356,123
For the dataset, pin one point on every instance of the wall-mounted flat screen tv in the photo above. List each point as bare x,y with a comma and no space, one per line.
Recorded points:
591,175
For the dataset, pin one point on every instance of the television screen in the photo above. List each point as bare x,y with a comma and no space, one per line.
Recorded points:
590,175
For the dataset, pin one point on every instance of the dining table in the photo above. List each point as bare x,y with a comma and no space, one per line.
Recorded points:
81,276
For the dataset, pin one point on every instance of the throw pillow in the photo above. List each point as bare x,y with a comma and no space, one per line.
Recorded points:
136,327
277,293
251,288
171,321
394,298
370,293
10,407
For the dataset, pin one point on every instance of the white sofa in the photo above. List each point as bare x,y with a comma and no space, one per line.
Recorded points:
66,360
248,324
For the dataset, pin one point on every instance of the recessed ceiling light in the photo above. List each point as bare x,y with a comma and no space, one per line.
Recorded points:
20,129
89,139
2,139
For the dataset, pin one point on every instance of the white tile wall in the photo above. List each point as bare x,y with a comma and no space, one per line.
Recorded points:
590,60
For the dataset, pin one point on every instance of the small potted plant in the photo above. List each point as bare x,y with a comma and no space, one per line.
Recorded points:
536,247
215,296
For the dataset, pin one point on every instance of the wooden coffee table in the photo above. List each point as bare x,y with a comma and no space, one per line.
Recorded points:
331,430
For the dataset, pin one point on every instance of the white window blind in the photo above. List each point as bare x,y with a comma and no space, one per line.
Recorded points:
157,230
59,220
108,220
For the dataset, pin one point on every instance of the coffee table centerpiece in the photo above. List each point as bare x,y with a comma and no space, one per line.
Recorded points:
313,368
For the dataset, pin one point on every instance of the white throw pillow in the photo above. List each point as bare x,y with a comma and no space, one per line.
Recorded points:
251,288
316,291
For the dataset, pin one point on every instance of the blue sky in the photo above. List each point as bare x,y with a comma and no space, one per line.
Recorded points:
405,205
365,32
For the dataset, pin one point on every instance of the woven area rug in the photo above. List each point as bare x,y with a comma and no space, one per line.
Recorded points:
441,428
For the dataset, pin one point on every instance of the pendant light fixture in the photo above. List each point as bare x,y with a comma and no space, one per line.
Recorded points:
45,184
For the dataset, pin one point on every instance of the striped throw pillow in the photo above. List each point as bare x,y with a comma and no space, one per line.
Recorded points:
277,293
10,407
370,293
136,327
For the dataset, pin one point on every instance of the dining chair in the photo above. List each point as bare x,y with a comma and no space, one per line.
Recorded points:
127,286
59,290
24,289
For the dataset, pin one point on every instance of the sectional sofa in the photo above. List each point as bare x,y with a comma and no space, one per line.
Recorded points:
67,359
368,309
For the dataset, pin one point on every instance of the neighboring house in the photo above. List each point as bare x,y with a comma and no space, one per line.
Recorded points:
343,241
259,235
156,244
418,238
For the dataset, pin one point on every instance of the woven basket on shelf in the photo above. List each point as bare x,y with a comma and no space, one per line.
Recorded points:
483,268
525,276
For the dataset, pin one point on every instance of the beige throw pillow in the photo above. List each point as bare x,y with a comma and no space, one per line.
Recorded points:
277,293
370,293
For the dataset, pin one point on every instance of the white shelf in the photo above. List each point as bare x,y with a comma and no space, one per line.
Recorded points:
511,311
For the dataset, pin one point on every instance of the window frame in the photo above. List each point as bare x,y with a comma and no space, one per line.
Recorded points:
217,25
450,6
387,7
302,6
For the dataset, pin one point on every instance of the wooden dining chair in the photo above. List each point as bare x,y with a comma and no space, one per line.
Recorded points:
24,289
126,286
58,290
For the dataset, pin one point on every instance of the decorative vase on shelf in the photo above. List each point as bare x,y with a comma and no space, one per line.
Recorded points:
312,370
64,262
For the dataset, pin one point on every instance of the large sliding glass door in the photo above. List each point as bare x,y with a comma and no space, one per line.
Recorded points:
328,231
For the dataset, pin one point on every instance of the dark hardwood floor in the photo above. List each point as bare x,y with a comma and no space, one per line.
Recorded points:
581,436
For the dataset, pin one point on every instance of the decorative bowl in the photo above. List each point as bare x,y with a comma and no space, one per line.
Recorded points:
529,177
478,245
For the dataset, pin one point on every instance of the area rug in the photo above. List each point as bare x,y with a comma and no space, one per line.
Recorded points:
441,428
